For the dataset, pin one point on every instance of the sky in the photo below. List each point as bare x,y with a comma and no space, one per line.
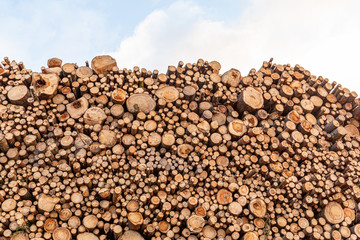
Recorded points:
323,35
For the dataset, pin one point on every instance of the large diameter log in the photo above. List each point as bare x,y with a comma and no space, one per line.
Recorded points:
237,128
61,233
84,72
77,108
140,102
94,115
102,64
50,224
183,150
250,100
135,220
45,85
8,205
195,223
18,95
168,93
20,236
107,137
47,203
90,222
224,197
250,236
86,236
231,78
334,213
209,232
54,62
215,65
257,207
130,235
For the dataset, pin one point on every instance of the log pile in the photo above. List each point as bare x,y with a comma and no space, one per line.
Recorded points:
107,153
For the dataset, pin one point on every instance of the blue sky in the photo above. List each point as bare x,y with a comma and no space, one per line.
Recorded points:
321,35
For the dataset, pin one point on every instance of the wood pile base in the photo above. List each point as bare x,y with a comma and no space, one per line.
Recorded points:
95,153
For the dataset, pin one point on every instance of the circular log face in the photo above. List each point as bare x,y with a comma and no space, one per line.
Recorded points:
102,64
118,96
8,205
20,236
257,207
224,197
94,115
18,94
61,234
86,236
334,213
250,99
140,102
195,223
168,93
237,128
131,235
84,72
250,236
231,78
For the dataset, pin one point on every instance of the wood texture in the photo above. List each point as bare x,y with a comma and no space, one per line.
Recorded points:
95,153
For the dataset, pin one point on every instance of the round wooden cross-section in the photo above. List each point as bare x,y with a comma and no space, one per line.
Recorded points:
258,207
224,197
250,99
334,213
61,233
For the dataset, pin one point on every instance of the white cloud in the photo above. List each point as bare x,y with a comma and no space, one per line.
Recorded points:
322,36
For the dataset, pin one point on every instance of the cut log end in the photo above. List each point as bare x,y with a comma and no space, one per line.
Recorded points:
102,64
250,99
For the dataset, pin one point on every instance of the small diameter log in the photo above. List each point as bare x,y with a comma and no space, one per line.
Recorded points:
18,95
118,96
250,99
102,64
231,78
140,102
45,85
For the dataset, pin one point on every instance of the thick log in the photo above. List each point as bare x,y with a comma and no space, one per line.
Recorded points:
102,64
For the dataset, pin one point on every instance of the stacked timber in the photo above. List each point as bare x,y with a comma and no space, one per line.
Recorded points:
100,152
